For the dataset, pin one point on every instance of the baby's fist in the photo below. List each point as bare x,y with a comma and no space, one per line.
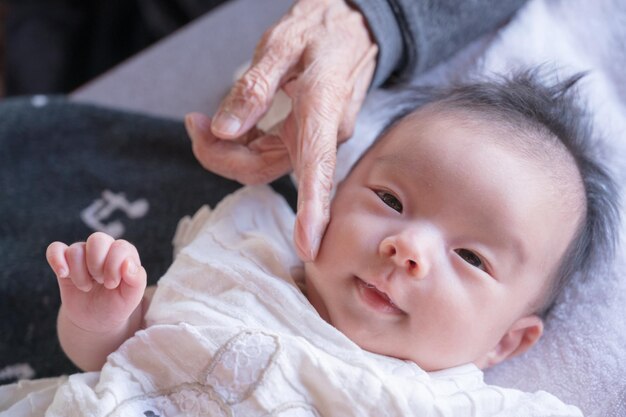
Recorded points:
100,260
101,280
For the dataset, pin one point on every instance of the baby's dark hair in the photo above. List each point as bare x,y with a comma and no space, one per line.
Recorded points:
524,104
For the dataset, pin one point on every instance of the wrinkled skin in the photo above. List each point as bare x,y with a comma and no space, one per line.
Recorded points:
322,55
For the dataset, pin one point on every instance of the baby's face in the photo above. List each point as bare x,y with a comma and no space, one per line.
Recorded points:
440,244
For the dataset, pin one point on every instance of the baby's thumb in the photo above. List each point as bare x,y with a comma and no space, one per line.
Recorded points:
133,274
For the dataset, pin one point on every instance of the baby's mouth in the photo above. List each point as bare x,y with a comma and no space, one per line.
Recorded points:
376,299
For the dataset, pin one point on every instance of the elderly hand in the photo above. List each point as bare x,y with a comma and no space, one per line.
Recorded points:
321,54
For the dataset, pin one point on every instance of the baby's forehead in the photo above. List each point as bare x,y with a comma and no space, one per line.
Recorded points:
525,138
501,127
534,144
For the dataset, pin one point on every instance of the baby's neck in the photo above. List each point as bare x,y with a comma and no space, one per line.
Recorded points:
315,299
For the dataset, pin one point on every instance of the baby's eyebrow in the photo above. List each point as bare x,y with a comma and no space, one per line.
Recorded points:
390,159
395,161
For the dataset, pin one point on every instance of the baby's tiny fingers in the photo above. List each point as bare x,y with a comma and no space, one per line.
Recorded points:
133,284
133,275
120,251
75,256
55,255
97,247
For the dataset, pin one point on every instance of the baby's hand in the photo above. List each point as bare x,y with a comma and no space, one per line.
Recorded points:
101,281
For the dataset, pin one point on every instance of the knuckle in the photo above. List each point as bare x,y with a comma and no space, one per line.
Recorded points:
121,245
345,132
346,129
272,36
253,87
98,236
75,249
279,37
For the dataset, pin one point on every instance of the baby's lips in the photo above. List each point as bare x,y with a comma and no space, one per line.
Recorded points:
383,294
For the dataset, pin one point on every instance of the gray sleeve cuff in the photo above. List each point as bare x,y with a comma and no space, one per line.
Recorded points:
415,35
386,32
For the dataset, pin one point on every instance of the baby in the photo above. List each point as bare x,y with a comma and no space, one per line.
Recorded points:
448,243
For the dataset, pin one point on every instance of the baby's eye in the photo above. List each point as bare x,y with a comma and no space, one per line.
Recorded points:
391,200
471,258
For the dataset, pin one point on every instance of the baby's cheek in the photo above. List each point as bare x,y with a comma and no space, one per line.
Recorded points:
339,233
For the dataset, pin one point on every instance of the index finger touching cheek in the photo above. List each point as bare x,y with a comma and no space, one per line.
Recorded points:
314,162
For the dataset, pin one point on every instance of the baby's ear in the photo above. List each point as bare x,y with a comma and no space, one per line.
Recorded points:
523,334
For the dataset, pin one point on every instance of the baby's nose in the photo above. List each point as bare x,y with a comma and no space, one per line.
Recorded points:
406,253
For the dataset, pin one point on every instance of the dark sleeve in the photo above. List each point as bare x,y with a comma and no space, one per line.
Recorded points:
414,35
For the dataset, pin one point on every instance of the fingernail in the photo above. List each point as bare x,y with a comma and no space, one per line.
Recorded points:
132,268
301,241
62,273
314,239
315,246
226,123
